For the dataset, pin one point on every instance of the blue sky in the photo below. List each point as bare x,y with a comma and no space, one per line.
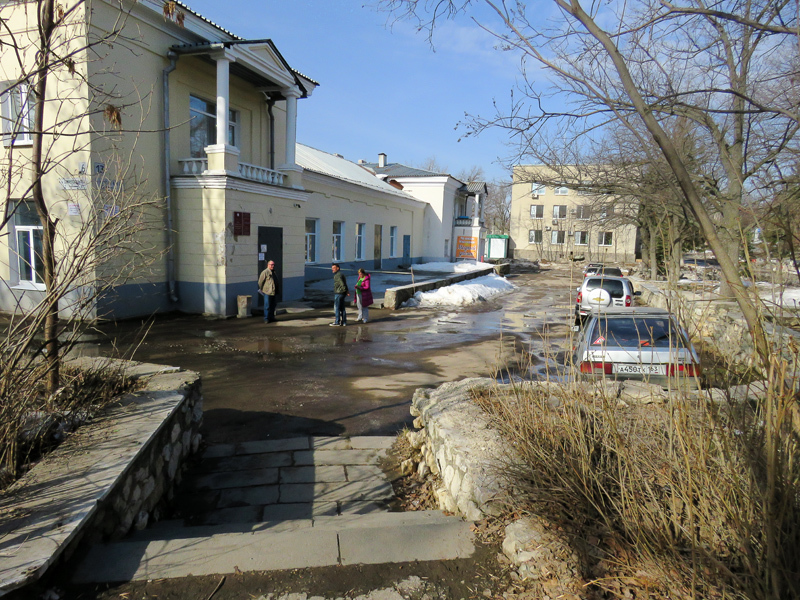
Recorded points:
382,86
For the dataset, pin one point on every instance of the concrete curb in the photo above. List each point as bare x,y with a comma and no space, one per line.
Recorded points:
395,296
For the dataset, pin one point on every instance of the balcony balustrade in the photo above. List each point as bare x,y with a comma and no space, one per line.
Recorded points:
196,166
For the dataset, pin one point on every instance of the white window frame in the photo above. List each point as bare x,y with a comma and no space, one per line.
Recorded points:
337,240
32,260
532,235
538,189
17,113
538,213
559,214
393,241
312,239
606,210
558,233
581,235
605,238
360,242
583,212
583,190
211,117
561,190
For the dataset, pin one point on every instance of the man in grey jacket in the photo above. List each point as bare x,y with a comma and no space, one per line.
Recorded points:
268,285
340,292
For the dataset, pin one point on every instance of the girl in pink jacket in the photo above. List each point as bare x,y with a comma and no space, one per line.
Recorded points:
363,295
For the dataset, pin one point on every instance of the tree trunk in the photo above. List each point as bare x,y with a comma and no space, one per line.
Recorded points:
46,28
694,202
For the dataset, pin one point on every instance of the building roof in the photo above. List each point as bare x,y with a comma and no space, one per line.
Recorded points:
475,187
338,167
401,170
240,39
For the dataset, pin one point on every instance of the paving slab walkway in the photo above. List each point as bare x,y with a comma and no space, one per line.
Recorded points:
281,504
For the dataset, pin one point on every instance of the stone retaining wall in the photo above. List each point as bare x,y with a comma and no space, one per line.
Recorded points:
395,296
111,475
457,443
715,322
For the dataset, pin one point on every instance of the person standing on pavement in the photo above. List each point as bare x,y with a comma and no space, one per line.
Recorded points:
340,292
268,285
363,295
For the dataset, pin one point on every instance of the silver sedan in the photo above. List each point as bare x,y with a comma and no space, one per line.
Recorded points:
646,344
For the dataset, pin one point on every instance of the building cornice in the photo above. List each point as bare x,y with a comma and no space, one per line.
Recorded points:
221,182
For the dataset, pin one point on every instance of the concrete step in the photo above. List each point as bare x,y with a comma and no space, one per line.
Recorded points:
342,540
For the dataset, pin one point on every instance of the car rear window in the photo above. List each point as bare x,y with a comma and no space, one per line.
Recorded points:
638,332
614,287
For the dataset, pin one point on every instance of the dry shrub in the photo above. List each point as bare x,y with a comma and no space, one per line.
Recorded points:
689,498
33,422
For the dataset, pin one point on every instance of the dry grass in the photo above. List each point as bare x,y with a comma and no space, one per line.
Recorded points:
686,499
32,422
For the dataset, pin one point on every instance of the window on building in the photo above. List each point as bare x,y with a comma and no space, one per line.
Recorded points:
360,228
538,189
558,237
312,226
581,238
535,236
560,211
336,248
583,212
203,126
605,238
606,211
393,240
561,190
28,238
537,211
17,112
584,189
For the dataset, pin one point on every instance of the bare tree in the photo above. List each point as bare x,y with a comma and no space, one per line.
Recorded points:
727,71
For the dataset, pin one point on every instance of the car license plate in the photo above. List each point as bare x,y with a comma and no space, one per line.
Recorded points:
639,369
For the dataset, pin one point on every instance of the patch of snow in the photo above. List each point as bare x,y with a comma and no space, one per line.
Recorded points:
788,297
462,266
462,293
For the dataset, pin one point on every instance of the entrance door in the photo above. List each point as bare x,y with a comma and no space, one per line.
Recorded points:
378,243
406,250
270,247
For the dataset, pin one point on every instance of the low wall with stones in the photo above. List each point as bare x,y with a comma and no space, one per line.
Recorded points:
715,322
395,296
113,474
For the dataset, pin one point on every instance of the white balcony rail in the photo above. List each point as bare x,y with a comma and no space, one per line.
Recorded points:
196,166
193,166
261,174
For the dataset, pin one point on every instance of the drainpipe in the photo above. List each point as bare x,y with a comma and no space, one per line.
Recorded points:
270,104
173,296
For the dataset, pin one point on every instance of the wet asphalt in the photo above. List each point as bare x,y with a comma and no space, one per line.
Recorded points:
301,377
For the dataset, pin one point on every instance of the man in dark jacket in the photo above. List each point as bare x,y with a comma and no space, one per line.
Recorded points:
268,285
340,292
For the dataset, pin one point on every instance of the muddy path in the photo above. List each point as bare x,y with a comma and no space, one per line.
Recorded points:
299,376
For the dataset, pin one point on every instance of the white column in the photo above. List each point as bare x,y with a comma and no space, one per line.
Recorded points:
223,94
292,95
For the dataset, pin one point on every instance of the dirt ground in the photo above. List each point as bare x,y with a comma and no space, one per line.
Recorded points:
301,377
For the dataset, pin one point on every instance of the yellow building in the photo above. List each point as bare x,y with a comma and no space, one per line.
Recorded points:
156,107
558,220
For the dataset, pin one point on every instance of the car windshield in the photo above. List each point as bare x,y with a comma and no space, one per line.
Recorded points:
614,287
635,332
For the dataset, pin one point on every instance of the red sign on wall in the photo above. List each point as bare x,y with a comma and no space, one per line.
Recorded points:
241,223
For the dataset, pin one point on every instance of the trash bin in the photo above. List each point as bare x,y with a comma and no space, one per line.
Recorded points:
243,303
